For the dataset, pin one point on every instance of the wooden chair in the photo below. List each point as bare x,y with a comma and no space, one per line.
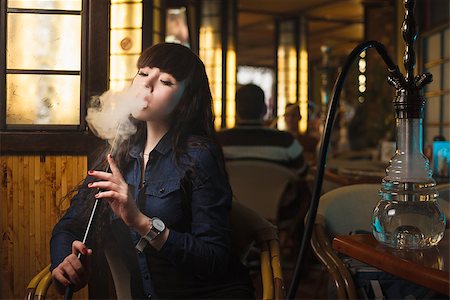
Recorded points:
248,229
342,211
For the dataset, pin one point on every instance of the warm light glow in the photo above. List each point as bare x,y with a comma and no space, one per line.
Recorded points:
281,97
303,90
211,54
287,81
362,69
125,42
43,99
48,4
231,88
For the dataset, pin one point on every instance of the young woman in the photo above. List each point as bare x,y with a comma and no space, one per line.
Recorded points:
167,193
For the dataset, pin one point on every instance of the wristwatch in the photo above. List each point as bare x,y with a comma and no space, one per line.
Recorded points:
158,226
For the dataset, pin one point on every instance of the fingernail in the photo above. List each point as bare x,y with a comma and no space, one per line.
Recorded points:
96,196
66,283
84,251
89,184
90,171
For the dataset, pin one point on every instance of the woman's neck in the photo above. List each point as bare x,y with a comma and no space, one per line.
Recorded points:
155,131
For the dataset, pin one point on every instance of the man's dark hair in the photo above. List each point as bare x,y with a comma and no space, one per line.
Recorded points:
250,103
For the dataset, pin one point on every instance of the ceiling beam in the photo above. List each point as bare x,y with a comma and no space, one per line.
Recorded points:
327,30
331,20
256,24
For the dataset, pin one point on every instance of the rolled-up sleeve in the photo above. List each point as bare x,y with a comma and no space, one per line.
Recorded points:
205,250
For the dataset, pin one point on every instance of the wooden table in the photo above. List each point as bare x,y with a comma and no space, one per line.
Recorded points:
429,268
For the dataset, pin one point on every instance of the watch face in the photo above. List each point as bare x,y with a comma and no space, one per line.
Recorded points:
158,224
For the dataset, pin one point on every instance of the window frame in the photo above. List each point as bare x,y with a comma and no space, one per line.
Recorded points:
93,80
440,29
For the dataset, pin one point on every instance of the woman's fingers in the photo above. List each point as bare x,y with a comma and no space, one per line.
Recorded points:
79,247
109,195
104,185
58,275
114,169
73,271
101,175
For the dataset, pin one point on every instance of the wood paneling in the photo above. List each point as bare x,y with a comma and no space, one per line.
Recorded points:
31,201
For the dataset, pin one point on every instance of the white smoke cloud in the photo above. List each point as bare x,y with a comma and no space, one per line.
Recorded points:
108,114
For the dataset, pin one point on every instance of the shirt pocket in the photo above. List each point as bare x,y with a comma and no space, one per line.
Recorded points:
163,199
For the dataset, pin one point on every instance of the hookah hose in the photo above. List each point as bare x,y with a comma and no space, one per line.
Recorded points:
318,179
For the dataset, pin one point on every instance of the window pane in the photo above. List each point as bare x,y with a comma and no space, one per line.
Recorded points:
126,15
126,41
56,41
446,109
42,99
46,4
446,78
446,43
432,110
435,85
125,1
123,66
433,47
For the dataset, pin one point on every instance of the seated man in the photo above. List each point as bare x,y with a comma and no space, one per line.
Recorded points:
251,140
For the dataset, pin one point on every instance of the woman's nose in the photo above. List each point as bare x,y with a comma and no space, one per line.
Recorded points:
153,75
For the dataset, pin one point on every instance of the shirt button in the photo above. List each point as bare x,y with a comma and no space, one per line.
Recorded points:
149,296
161,190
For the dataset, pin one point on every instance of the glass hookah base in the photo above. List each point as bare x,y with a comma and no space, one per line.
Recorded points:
408,225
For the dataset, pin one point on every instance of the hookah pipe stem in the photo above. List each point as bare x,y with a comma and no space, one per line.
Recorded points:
318,180
70,289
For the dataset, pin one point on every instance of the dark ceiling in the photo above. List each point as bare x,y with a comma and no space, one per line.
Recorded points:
338,24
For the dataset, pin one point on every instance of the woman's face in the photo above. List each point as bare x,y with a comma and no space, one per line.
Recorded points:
162,92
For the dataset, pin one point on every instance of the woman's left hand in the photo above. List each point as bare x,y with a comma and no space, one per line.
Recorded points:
114,189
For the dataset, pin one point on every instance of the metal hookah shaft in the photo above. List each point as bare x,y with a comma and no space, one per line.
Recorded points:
70,289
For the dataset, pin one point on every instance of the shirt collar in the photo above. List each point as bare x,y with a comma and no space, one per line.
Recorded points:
164,145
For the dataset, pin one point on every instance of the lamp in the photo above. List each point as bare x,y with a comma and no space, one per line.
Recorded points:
407,216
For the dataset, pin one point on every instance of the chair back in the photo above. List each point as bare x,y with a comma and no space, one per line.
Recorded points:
249,227
260,185
349,208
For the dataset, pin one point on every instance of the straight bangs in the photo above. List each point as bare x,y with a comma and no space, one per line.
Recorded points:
175,59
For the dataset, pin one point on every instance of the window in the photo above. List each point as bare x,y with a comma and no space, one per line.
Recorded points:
48,71
43,86
436,60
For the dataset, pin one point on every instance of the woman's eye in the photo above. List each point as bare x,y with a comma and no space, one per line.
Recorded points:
142,74
166,82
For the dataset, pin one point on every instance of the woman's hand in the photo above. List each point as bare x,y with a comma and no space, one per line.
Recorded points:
72,270
114,189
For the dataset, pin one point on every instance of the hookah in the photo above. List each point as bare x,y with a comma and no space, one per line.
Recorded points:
407,217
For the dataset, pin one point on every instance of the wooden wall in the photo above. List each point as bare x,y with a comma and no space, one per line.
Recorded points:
31,193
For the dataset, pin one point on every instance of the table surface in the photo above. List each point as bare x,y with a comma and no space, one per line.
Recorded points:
429,268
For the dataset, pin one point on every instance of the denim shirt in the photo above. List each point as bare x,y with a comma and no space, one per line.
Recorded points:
192,198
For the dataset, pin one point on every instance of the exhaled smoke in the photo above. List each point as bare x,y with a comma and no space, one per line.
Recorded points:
108,115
